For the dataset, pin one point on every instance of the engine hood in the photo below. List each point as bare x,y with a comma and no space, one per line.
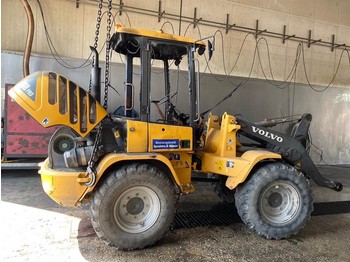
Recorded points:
52,99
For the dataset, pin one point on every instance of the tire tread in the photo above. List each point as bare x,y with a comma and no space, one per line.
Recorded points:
115,177
243,195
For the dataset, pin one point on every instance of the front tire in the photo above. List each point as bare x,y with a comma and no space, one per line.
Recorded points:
134,207
276,202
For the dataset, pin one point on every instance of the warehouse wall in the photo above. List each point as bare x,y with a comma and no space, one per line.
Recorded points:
72,31
257,100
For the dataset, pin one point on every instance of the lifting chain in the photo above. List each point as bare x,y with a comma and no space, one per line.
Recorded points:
90,171
108,38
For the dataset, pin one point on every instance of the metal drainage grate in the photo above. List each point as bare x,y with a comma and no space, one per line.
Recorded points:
331,208
226,214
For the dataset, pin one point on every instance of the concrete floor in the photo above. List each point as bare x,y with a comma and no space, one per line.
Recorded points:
34,228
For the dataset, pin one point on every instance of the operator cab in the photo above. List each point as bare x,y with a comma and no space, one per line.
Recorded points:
166,48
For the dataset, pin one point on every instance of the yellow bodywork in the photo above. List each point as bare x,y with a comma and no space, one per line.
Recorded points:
141,136
52,100
177,147
63,187
68,188
219,154
156,34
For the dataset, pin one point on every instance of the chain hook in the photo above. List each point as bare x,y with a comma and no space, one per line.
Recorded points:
92,174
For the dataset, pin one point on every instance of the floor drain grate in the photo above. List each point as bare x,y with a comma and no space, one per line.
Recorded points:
226,214
331,208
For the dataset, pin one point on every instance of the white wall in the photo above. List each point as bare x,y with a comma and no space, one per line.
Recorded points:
72,31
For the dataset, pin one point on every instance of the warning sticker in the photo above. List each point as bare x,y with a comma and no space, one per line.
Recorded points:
165,143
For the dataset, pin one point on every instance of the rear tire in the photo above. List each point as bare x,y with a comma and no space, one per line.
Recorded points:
134,207
276,202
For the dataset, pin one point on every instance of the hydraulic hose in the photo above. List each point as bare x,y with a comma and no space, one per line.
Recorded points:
30,36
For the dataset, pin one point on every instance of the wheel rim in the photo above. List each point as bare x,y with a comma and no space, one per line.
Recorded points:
137,209
280,202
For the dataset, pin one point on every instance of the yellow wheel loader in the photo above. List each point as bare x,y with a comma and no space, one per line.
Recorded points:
132,169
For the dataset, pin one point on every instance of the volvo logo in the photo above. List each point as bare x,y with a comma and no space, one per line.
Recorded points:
267,134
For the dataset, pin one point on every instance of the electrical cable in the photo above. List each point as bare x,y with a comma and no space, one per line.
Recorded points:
207,61
335,74
236,86
118,16
320,151
287,81
168,22
221,101
127,16
272,81
110,77
53,50
282,85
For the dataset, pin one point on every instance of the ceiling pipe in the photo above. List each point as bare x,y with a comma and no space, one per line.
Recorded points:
30,36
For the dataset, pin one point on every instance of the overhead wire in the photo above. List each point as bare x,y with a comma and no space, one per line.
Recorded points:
300,53
272,81
127,16
291,76
334,75
236,86
53,50
168,22
319,151
286,82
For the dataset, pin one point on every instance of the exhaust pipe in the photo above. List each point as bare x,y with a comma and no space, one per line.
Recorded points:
95,76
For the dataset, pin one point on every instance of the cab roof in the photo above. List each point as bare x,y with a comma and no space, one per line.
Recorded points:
156,34
126,40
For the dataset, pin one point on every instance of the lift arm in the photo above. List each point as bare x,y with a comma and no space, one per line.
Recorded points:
290,149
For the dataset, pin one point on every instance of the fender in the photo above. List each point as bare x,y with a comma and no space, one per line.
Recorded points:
68,188
252,157
114,158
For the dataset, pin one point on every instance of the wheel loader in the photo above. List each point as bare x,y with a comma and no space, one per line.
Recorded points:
132,169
